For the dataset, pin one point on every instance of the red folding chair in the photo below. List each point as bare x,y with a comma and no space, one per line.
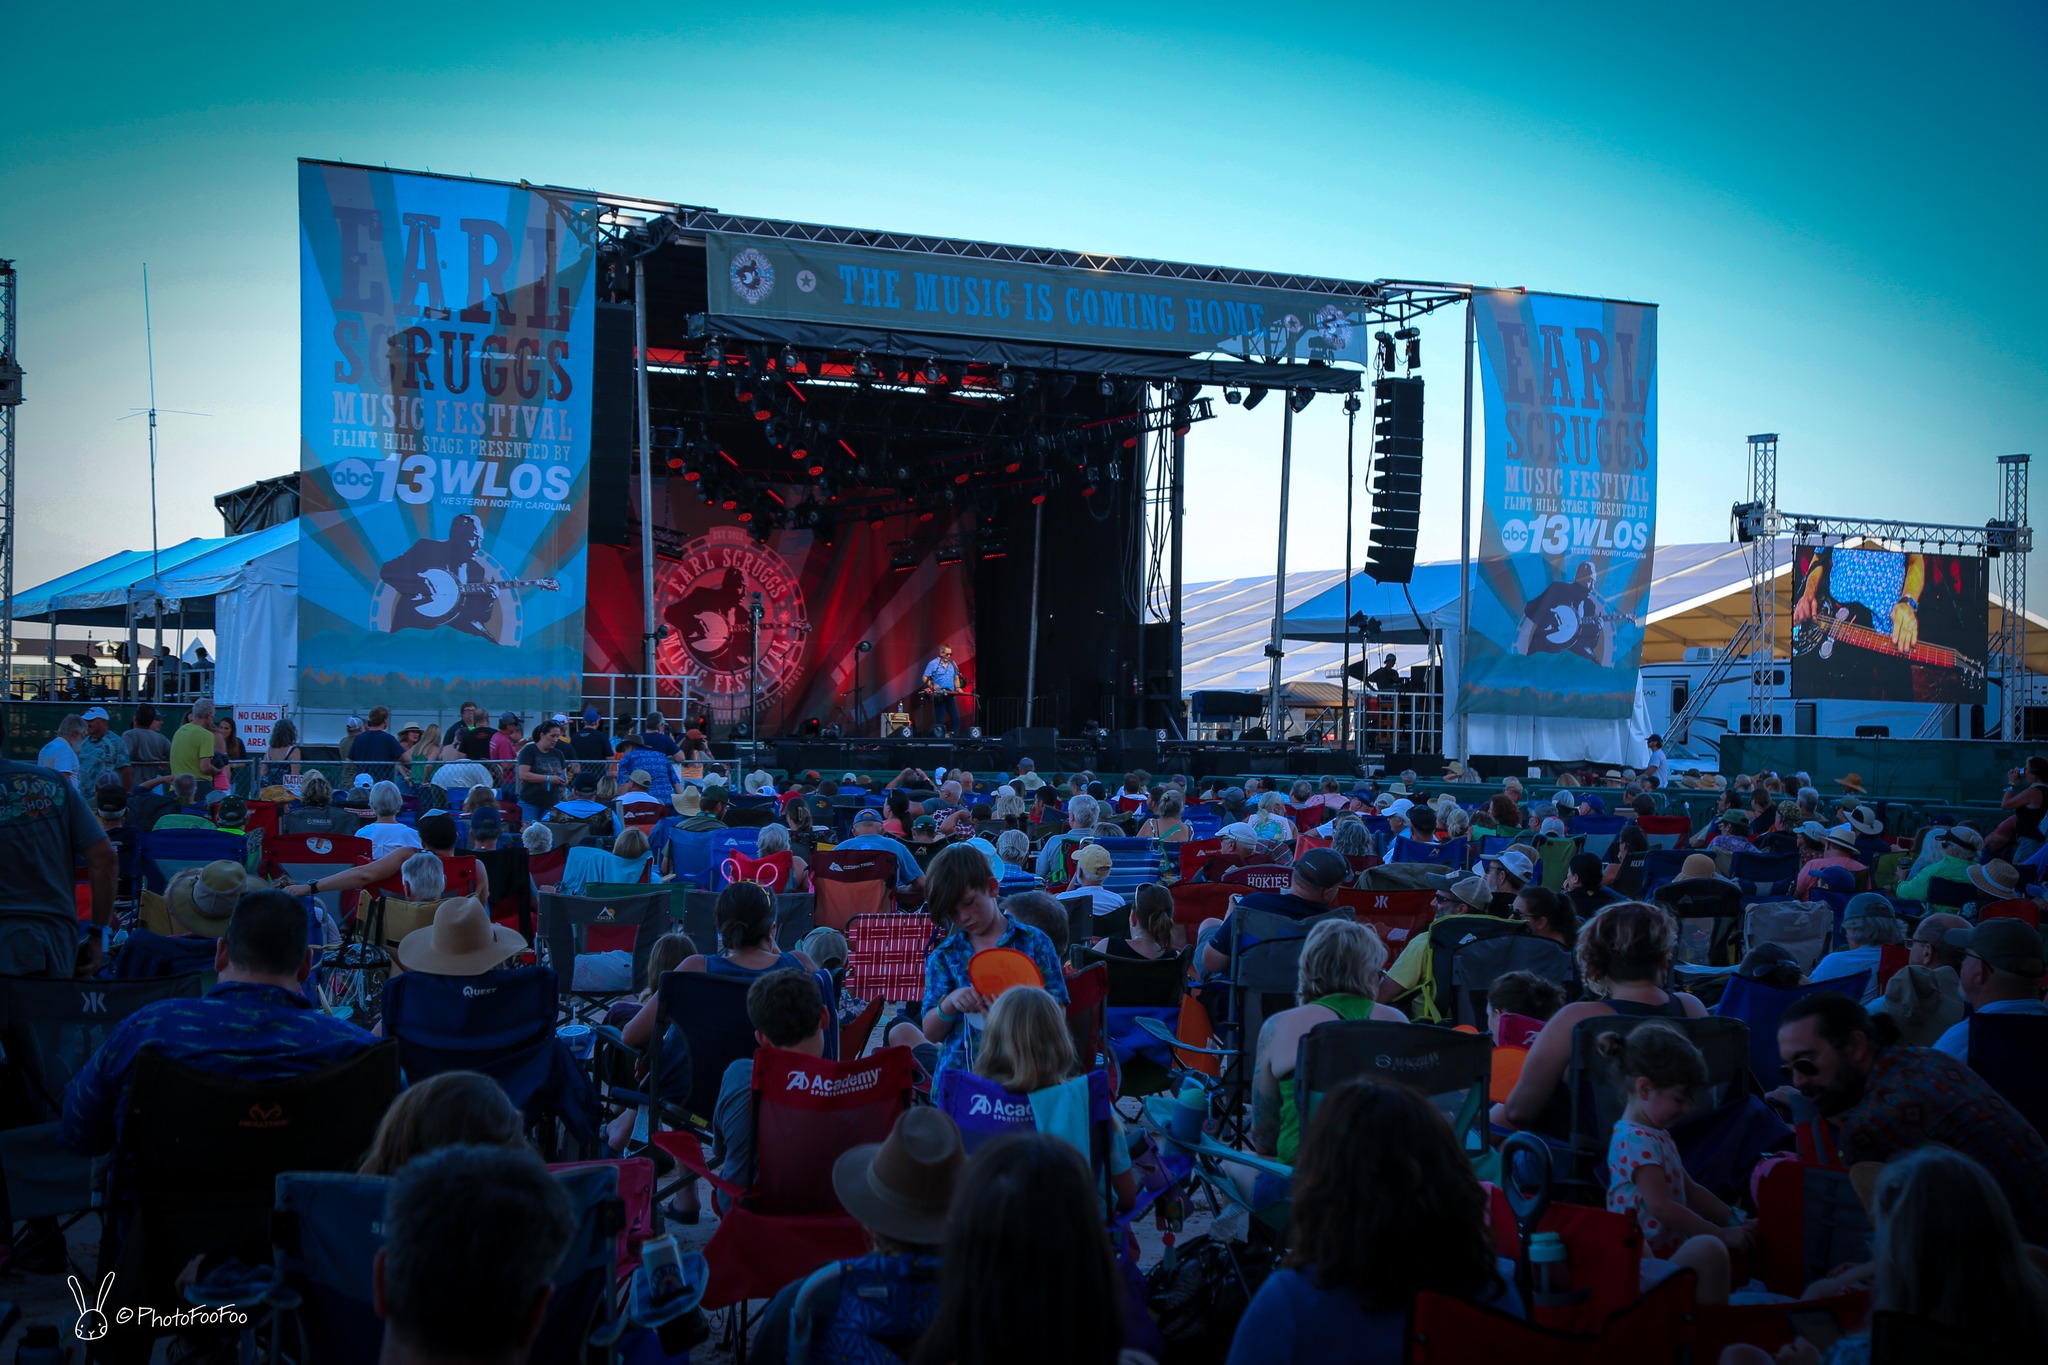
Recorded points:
1768,1326
1304,842
2015,909
1665,831
807,1113
1194,902
546,868
1088,1020
1307,817
771,870
1891,958
1191,854
636,1192
1604,1251
264,818
1659,1326
885,956
1396,916
304,858
1260,877
643,815
851,883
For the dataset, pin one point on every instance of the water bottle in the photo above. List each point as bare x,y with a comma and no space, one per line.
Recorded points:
1549,1269
1190,1110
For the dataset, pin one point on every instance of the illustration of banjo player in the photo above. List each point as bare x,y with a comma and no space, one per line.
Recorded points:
447,583
1570,617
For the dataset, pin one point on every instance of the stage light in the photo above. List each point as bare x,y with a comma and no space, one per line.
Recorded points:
813,727
949,556
789,360
1107,388
1037,499
903,561
1301,398
714,353
777,432
815,470
1233,397
1352,403
864,646
864,366
1413,337
1385,344
762,412
728,504
742,390
1063,384
934,373
1254,397
1005,380
901,474
675,462
745,517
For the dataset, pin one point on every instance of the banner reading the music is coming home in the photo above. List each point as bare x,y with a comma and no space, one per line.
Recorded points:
1562,578
444,441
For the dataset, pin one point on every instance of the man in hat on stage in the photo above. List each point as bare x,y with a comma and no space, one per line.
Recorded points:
256,1024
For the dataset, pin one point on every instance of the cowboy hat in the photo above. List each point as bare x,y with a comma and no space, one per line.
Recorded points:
902,1187
1698,867
1842,837
687,801
461,941
1864,820
1998,879
1852,782
203,898
1454,771
1397,788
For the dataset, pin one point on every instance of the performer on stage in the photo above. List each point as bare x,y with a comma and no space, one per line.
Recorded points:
941,681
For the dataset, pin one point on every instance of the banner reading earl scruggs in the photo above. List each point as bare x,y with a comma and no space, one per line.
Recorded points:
444,440
1563,573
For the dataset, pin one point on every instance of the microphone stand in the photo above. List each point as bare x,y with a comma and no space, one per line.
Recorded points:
754,678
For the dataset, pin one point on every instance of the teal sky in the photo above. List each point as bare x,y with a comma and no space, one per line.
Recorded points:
1837,206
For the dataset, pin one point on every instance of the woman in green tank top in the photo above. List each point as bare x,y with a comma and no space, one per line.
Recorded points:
1338,978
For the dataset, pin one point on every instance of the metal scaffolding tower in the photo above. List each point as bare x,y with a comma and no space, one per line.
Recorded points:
10,399
2006,538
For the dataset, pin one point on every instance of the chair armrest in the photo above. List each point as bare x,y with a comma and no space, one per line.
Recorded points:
1158,1029
684,1146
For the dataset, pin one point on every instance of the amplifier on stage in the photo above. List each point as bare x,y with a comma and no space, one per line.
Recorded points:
895,723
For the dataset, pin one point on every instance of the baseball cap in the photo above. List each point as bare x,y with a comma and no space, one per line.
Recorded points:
1322,868
363,781
924,822
2006,945
585,782
485,822
355,723
868,816
509,718
590,714
95,713
1240,831
111,798
1385,801
845,778
559,718
639,777
1964,838
1869,905
1401,806
1466,887
1093,859
1812,829
230,810
1518,864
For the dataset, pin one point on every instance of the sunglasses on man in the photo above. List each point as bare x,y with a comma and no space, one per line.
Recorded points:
1800,1066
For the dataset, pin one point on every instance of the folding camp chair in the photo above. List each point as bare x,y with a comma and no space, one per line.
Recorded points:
984,1111
1944,893
50,1027
162,854
1265,956
568,923
1595,1095
1139,990
2024,910
1802,929
1763,874
1596,833
885,956
1190,854
1450,853
807,1113
1260,877
511,882
853,882
1660,865
1902,1339
724,844
1088,1019
1709,915
1665,831
1454,1069
770,870
1468,966
199,1156
1132,863
1763,1007
502,1024
1396,916
327,1229
1194,902
1657,1327
1604,1250
2006,1051
545,869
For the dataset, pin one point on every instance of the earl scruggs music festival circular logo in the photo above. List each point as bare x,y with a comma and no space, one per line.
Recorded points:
753,279
706,601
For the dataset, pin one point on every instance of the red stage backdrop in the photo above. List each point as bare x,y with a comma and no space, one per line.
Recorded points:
819,602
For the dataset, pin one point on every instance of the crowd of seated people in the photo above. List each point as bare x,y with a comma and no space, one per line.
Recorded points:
1007,1253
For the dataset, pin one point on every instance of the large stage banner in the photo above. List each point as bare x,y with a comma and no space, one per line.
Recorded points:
1562,580
1872,624
445,356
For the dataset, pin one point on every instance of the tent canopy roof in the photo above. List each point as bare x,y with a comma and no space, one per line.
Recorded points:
192,572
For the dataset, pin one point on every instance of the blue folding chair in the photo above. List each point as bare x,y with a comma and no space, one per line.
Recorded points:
725,842
2006,1051
1448,854
1132,863
502,1024
1660,865
690,855
1764,874
327,1229
1202,824
1493,844
1763,1008
1598,831
163,853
